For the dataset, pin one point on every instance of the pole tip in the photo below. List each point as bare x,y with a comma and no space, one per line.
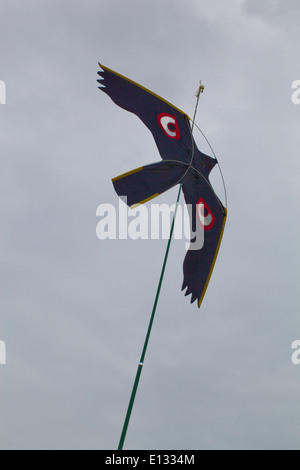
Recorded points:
200,89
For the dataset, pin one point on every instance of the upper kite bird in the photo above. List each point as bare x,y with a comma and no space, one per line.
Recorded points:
182,163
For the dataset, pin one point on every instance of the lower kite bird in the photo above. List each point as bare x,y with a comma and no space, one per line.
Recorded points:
182,163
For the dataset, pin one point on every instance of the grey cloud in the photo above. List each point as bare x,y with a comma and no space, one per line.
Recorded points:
75,309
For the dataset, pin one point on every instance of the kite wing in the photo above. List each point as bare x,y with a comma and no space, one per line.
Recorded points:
145,183
168,124
172,133
208,217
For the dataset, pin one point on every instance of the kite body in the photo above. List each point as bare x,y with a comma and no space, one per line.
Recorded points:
182,163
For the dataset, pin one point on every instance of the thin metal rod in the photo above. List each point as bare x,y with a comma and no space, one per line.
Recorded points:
141,363
220,169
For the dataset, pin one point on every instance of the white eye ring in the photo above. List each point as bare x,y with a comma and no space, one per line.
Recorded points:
165,121
204,219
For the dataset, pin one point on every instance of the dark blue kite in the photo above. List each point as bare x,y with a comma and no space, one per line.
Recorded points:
182,163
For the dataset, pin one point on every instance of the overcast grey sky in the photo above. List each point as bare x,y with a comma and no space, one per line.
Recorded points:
74,309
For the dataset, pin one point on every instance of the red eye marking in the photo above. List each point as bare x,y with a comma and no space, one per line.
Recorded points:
169,125
205,216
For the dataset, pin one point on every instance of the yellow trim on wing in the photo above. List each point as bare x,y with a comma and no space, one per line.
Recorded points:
214,260
145,89
126,174
143,202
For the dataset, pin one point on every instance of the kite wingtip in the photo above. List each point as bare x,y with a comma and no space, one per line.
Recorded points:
193,296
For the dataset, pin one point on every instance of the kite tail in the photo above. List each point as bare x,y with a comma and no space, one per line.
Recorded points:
146,182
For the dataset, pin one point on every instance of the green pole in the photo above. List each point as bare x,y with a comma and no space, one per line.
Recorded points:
141,363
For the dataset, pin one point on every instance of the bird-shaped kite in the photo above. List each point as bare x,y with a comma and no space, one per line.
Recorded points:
182,163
